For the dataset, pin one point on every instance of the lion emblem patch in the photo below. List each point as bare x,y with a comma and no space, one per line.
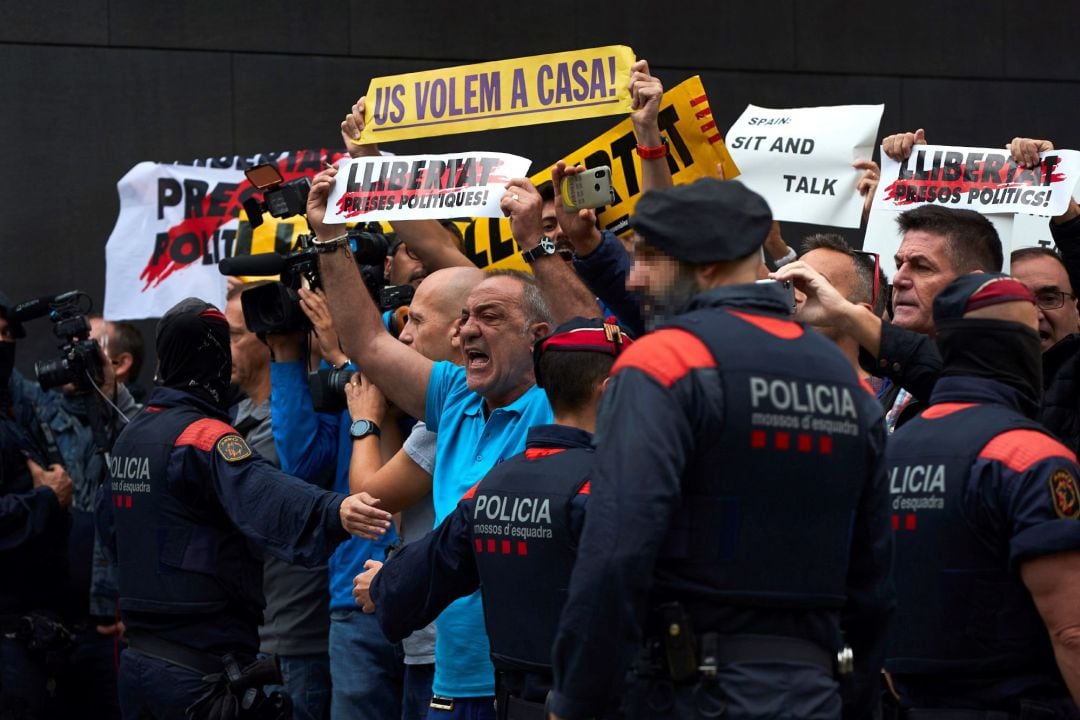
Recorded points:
1065,495
233,448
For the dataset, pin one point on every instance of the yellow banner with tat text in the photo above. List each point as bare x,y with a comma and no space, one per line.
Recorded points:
499,94
695,148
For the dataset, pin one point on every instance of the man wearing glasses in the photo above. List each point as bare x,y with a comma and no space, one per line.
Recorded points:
1043,272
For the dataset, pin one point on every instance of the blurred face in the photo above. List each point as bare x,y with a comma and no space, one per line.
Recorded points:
430,329
1046,278
6,333
250,357
405,268
663,282
922,271
496,342
838,269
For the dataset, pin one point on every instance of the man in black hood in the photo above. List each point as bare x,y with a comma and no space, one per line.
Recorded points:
187,498
986,513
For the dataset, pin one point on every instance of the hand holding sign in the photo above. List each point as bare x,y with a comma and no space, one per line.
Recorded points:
351,129
646,92
524,206
316,205
898,146
1025,151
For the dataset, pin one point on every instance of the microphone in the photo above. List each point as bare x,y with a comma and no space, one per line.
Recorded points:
258,264
39,307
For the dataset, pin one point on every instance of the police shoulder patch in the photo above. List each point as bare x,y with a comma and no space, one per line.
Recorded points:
233,448
1064,494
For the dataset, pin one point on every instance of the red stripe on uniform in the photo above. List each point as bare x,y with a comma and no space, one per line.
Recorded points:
505,547
127,501
204,433
479,545
783,329
909,522
522,548
586,488
534,453
936,412
806,443
491,545
895,522
1020,449
825,444
757,438
783,440
153,408
666,356
470,492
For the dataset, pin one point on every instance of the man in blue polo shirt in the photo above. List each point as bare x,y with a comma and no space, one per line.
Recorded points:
481,413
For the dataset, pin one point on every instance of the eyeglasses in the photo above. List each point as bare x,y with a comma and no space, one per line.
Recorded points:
877,273
1051,299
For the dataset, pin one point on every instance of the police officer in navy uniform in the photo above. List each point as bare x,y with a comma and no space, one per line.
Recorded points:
987,525
187,501
737,544
514,535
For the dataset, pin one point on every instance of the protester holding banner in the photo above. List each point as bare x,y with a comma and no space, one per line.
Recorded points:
480,413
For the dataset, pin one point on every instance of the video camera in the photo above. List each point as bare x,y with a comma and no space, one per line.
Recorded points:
281,199
80,357
275,307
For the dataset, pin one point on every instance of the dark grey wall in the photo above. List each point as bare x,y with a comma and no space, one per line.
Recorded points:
91,87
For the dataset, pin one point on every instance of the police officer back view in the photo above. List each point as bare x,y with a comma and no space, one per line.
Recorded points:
187,496
737,521
987,525
515,533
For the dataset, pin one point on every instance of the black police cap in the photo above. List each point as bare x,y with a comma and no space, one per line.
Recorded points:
707,221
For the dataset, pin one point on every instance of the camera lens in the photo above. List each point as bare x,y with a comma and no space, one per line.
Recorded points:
53,373
600,173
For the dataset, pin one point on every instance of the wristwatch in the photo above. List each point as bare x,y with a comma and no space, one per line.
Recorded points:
362,428
545,248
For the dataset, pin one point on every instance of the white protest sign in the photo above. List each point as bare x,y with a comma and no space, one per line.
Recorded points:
986,180
422,187
800,159
178,221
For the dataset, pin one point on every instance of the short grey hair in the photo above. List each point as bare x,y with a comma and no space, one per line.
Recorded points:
533,303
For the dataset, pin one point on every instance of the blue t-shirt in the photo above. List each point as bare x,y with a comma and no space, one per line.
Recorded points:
468,446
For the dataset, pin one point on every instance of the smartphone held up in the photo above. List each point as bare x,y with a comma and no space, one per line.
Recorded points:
588,189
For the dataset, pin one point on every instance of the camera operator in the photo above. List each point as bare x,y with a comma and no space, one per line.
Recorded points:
125,346
34,497
366,675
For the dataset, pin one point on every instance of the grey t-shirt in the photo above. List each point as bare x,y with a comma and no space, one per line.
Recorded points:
297,616
416,522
